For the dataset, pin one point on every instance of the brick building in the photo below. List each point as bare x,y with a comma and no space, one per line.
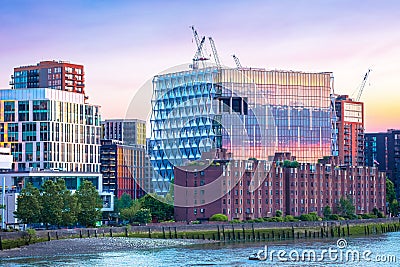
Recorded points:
60,75
248,189
350,126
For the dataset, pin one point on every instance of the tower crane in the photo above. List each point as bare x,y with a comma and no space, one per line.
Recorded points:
214,50
199,56
238,65
362,85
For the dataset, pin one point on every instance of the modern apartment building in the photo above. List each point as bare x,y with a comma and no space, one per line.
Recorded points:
50,129
128,131
124,169
350,126
249,189
252,113
383,151
60,75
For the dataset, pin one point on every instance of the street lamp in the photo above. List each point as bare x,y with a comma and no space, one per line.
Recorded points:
5,164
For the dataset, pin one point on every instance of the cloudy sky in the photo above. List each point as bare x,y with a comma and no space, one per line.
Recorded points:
124,43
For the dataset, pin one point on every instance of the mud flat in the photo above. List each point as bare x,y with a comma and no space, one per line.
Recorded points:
93,245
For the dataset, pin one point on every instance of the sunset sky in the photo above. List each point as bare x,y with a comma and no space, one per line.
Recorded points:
124,43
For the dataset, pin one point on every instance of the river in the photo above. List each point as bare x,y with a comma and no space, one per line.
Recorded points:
371,250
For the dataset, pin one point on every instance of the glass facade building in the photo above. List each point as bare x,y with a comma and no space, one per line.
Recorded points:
50,129
123,169
128,131
383,151
252,113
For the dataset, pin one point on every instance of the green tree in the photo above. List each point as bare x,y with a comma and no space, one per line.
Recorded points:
219,217
90,203
346,207
125,201
159,209
169,197
128,214
327,212
70,208
142,216
52,203
28,205
391,197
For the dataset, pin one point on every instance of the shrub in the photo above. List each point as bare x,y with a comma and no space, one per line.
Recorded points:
351,217
294,164
219,218
290,218
275,219
259,220
306,217
369,216
278,213
236,221
310,217
334,217
29,235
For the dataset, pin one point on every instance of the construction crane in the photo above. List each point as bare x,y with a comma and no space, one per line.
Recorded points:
362,85
214,50
238,65
199,56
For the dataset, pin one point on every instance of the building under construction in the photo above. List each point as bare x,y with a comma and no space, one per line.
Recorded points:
249,112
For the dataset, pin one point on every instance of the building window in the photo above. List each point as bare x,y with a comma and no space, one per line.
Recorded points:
9,111
29,131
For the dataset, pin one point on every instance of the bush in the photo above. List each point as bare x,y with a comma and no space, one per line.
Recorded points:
351,217
369,216
275,219
290,218
278,213
29,235
168,221
294,164
334,217
236,221
259,220
380,215
219,218
310,217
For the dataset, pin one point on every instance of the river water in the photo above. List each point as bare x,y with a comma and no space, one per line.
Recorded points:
371,250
